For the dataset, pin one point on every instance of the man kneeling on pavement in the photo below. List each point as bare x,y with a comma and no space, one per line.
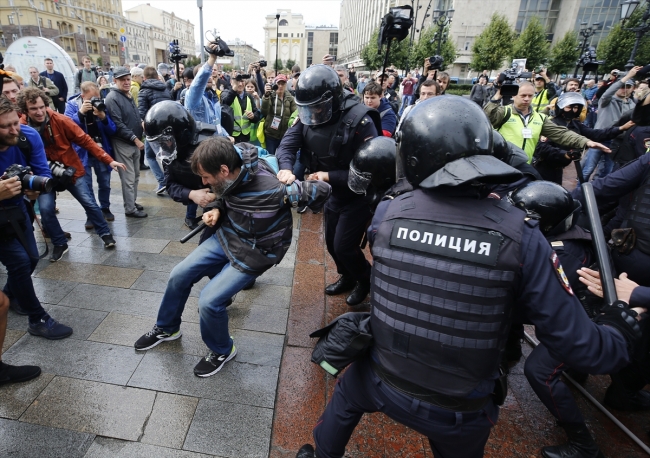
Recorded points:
252,214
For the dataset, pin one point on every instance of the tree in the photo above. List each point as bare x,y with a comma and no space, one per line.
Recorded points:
615,49
290,64
100,62
564,54
532,45
425,48
398,55
192,61
493,45
278,65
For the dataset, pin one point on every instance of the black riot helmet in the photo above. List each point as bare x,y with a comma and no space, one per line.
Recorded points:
373,164
549,203
319,94
438,132
168,126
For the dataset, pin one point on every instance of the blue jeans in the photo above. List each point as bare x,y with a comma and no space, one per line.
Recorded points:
81,192
406,101
20,263
596,157
103,174
190,212
207,260
272,144
150,156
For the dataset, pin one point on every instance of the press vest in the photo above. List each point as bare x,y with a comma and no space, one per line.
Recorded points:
444,280
540,101
243,125
638,215
511,130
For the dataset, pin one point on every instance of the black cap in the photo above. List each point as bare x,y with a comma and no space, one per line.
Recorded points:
119,72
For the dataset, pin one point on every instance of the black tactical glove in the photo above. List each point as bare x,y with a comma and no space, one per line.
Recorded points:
574,155
624,320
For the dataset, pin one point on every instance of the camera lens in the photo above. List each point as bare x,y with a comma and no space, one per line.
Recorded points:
37,183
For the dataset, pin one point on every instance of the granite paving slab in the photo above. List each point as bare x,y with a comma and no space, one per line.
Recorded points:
258,318
52,291
76,239
11,337
17,440
76,358
145,261
157,282
236,382
108,299
16,397
264,294
82,321
167,222
161,233
170,420
104,447
288,261
175,248
230,430
129,244
91,273
92,407
281,276
86,255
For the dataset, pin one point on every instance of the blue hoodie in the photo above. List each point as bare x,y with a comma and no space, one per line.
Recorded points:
388,117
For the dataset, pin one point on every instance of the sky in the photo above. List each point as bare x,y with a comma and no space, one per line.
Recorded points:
245,19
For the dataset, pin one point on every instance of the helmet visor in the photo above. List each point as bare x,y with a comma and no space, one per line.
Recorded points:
316,113
358,181
164,146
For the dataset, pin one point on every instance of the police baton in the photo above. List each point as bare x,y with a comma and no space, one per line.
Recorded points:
193,232
578,165
600,245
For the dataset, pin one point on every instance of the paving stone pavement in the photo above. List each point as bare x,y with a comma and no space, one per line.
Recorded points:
98,397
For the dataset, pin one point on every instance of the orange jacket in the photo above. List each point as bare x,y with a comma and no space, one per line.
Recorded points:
59,137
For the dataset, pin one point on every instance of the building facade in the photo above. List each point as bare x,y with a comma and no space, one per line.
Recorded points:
245,54
303,44
165,27
138,45
359,19
80,27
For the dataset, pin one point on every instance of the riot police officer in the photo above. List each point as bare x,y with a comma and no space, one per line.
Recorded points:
556,211
372,169
449,268
333,125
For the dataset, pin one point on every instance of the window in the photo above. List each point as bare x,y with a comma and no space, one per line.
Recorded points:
49,23
11,18
103,48
466,47
40,22
42,5
14,37
79,29
283,22
286,35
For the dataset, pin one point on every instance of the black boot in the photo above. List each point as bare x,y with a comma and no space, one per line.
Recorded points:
580,445
619,397
341,285
359,293
306,451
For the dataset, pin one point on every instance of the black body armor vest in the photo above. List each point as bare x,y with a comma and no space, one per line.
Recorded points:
180,170
638,215
444,280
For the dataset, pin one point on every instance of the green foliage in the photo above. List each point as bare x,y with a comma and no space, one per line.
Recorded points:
278,65
564,54
100,62
493,45
192,61
424,48
290,63
398,55
227,68
616,48
461,89
532,45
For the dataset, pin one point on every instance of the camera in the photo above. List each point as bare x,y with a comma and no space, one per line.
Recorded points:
175,54
588,61
27,180
262,63
509,87
274,87
98,103
395,25
222,48
436,63
61,172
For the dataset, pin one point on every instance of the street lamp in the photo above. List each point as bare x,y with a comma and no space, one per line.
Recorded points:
199,3
586,33
277,40
627,8
441,19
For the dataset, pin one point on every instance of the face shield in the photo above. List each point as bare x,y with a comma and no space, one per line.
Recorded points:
164,146
318,112
358,181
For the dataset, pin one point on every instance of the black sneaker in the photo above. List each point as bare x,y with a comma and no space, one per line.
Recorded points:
213,363
136,214
161,190
154,337
58,251
191,223
16,374
109,241
139,207
89,225
301,209
306,451
108,216
50,329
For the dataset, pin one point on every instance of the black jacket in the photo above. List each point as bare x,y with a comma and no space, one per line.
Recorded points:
151,92
125,115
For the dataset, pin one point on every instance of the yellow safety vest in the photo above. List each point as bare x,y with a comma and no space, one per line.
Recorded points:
512,130
540,101
243,125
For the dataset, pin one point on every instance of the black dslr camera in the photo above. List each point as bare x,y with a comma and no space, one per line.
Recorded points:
98,103
262,63
509,86
27,180
436,63
395,24
63,174
222,48
588,61
175,54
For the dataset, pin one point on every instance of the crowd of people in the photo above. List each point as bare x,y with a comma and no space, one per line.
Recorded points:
472,235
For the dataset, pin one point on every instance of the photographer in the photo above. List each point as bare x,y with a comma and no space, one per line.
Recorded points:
90,113
45,84
521,125
276,118
244,109
18,252
545,90
58,133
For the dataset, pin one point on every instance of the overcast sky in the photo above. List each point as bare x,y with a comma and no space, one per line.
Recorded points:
245,19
